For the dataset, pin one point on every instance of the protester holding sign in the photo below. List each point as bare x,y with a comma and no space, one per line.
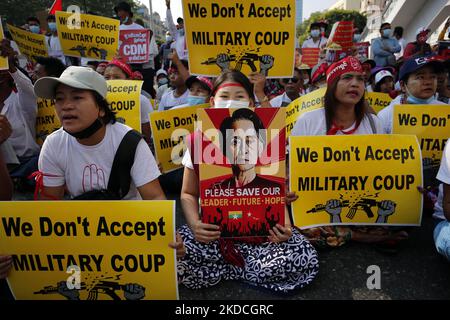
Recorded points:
418,78
19,106
54,46
80,155
118,70
5,181
230,260
442,207
345,112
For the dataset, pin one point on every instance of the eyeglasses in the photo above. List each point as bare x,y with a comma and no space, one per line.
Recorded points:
293,80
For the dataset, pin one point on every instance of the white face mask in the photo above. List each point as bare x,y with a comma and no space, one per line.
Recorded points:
231,104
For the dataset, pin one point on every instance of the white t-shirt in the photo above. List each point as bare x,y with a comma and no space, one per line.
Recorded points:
309,43
169,101
387,114
55,49
443,176
146,108
280,101
84,168
313,123
21,110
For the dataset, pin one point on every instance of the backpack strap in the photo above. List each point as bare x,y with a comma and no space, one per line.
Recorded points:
372,123
120,177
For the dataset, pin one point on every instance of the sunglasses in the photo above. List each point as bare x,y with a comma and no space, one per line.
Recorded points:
293,80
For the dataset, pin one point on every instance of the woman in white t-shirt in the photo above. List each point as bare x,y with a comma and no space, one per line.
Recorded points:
118,70
79,156
345,112
210,258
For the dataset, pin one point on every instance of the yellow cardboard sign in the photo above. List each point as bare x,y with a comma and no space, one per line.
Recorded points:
124,98
378,101
361,179
88,36
308,102
30,44
243,35
90,250
47,120
169,129
431,125
3,61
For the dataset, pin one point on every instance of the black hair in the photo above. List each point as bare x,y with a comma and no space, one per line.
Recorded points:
398,31
377,87
110,116
53,66
234,76
33,19
242,114
330,103
124,6
180,20
51,17
93,63
384,24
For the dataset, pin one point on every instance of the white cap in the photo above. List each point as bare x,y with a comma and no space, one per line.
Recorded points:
161,71
421,29
382,74
75,77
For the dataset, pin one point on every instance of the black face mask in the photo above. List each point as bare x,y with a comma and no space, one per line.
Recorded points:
88,132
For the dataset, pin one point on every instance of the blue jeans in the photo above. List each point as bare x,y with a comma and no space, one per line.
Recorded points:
441,236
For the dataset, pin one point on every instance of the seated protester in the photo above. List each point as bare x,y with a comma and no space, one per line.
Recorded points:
345,112
441,214
418,80
443,83
383,81
18,104
118,70
162,81
79,156
47,67
178,93
318,77
293,89
210,258
420,47
6,190
368,65
54,46
101,68
200,89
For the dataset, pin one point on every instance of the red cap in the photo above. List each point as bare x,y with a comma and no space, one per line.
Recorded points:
346,65
126,69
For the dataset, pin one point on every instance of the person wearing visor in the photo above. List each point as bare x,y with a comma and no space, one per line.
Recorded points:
418,81
200,89
383,81
79,156
293,89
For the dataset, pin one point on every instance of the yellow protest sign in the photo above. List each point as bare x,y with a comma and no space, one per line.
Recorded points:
30,44
431,125
169,129
90,250
308,102
88,36
377,100
360,179
47,120
243,35
3,61
124,98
